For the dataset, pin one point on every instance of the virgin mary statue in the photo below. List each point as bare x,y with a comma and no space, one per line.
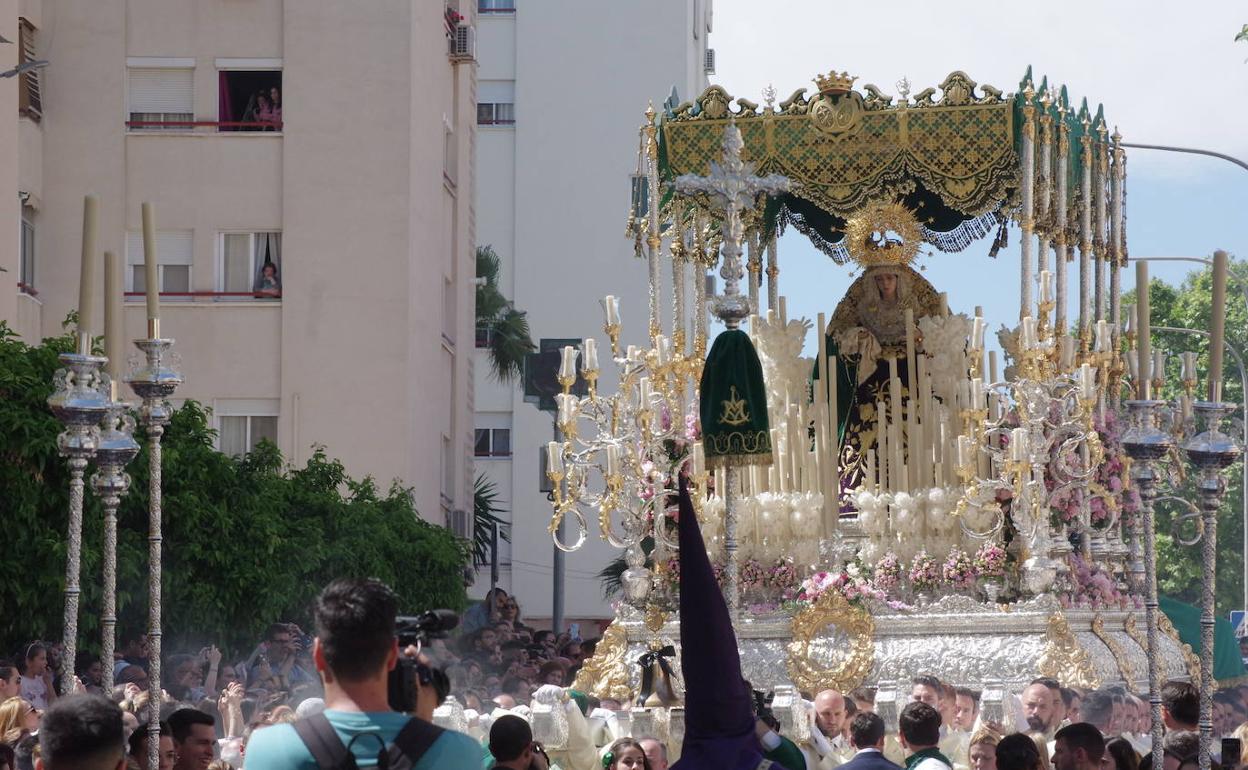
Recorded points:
867,334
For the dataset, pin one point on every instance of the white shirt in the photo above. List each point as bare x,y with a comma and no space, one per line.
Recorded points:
35,690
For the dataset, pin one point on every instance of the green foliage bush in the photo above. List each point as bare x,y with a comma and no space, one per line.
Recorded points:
247,541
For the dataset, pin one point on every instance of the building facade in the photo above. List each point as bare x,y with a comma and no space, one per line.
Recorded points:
562,86
310,165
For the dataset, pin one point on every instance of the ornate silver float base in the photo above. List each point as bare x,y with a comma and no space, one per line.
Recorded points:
959,639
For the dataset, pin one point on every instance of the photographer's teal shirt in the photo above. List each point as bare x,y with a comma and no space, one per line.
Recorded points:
278,747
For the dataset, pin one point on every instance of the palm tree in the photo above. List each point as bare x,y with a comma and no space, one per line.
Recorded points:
505,327
485,508
507,343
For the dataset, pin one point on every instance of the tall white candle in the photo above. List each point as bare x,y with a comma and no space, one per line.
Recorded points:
1087,381
611,306
1019,440
1046,286
114,330
699,457
151,261
567,366
1028,339
554,457
644,392
1189,366
662,349
1159,365
613,460
86,282
589,357
1103,339
977,333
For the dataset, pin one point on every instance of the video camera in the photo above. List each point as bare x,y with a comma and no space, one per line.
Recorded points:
417,631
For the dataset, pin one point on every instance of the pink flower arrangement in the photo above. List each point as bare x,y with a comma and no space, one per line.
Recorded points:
1094,588
751,575
924,572
851,583
887,574
989,560
958,570
781,577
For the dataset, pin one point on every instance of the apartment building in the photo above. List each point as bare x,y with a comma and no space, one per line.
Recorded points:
310,164
562,87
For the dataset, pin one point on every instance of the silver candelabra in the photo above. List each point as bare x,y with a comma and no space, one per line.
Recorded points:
154,380
79,401
110,482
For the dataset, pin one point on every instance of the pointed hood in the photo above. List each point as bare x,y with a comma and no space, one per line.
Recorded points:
719,708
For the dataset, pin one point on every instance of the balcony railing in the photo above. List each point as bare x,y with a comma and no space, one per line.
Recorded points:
193,295
219,125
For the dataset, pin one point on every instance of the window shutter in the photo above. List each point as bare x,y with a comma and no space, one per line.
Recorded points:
29,97
496,91
173,247
161,90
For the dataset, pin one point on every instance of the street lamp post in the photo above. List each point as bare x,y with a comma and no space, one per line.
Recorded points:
1243,380
1239,361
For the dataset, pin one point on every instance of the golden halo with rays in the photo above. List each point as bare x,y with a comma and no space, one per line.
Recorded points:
883,234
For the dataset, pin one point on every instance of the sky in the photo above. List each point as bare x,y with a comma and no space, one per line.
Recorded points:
1167,73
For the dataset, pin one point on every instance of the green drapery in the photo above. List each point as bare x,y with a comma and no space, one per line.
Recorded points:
1227,664
953,159
735,428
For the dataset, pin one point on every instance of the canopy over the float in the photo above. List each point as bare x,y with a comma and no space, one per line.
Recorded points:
951,154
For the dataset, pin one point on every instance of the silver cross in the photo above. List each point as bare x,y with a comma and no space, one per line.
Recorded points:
734,188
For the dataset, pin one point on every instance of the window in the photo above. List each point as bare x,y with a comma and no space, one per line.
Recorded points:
173,250
496,114
251,265
249,100
496,102
160,98
29,97
492,442
496,6
485,336
239,434
26,270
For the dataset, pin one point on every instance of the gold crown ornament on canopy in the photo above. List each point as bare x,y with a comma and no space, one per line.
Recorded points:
835,82
883,234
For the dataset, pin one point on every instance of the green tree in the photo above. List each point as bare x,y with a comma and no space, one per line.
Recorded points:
1189,306
508,343
247,540
506,328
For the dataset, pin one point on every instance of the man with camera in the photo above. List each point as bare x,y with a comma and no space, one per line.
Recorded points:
354,651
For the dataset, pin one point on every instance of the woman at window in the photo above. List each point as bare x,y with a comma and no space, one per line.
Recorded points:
268,285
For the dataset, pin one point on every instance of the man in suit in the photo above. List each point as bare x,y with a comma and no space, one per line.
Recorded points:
866,733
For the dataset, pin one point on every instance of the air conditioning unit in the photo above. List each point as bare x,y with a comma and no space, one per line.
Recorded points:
708,64
460,522
463,43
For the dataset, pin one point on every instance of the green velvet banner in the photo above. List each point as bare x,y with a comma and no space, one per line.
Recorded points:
1227,665
735,429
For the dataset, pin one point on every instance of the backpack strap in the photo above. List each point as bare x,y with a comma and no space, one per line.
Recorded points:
323,742
416,737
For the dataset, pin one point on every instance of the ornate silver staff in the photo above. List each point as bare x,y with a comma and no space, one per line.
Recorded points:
154,381
1210,452
1147,445
733,187
115,450
79,402
110,482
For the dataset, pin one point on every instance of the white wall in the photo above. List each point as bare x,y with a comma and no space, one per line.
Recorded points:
584,73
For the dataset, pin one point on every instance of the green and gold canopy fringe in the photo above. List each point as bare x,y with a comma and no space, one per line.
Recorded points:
949,153
735,430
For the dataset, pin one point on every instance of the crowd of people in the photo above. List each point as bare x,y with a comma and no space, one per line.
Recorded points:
219,714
